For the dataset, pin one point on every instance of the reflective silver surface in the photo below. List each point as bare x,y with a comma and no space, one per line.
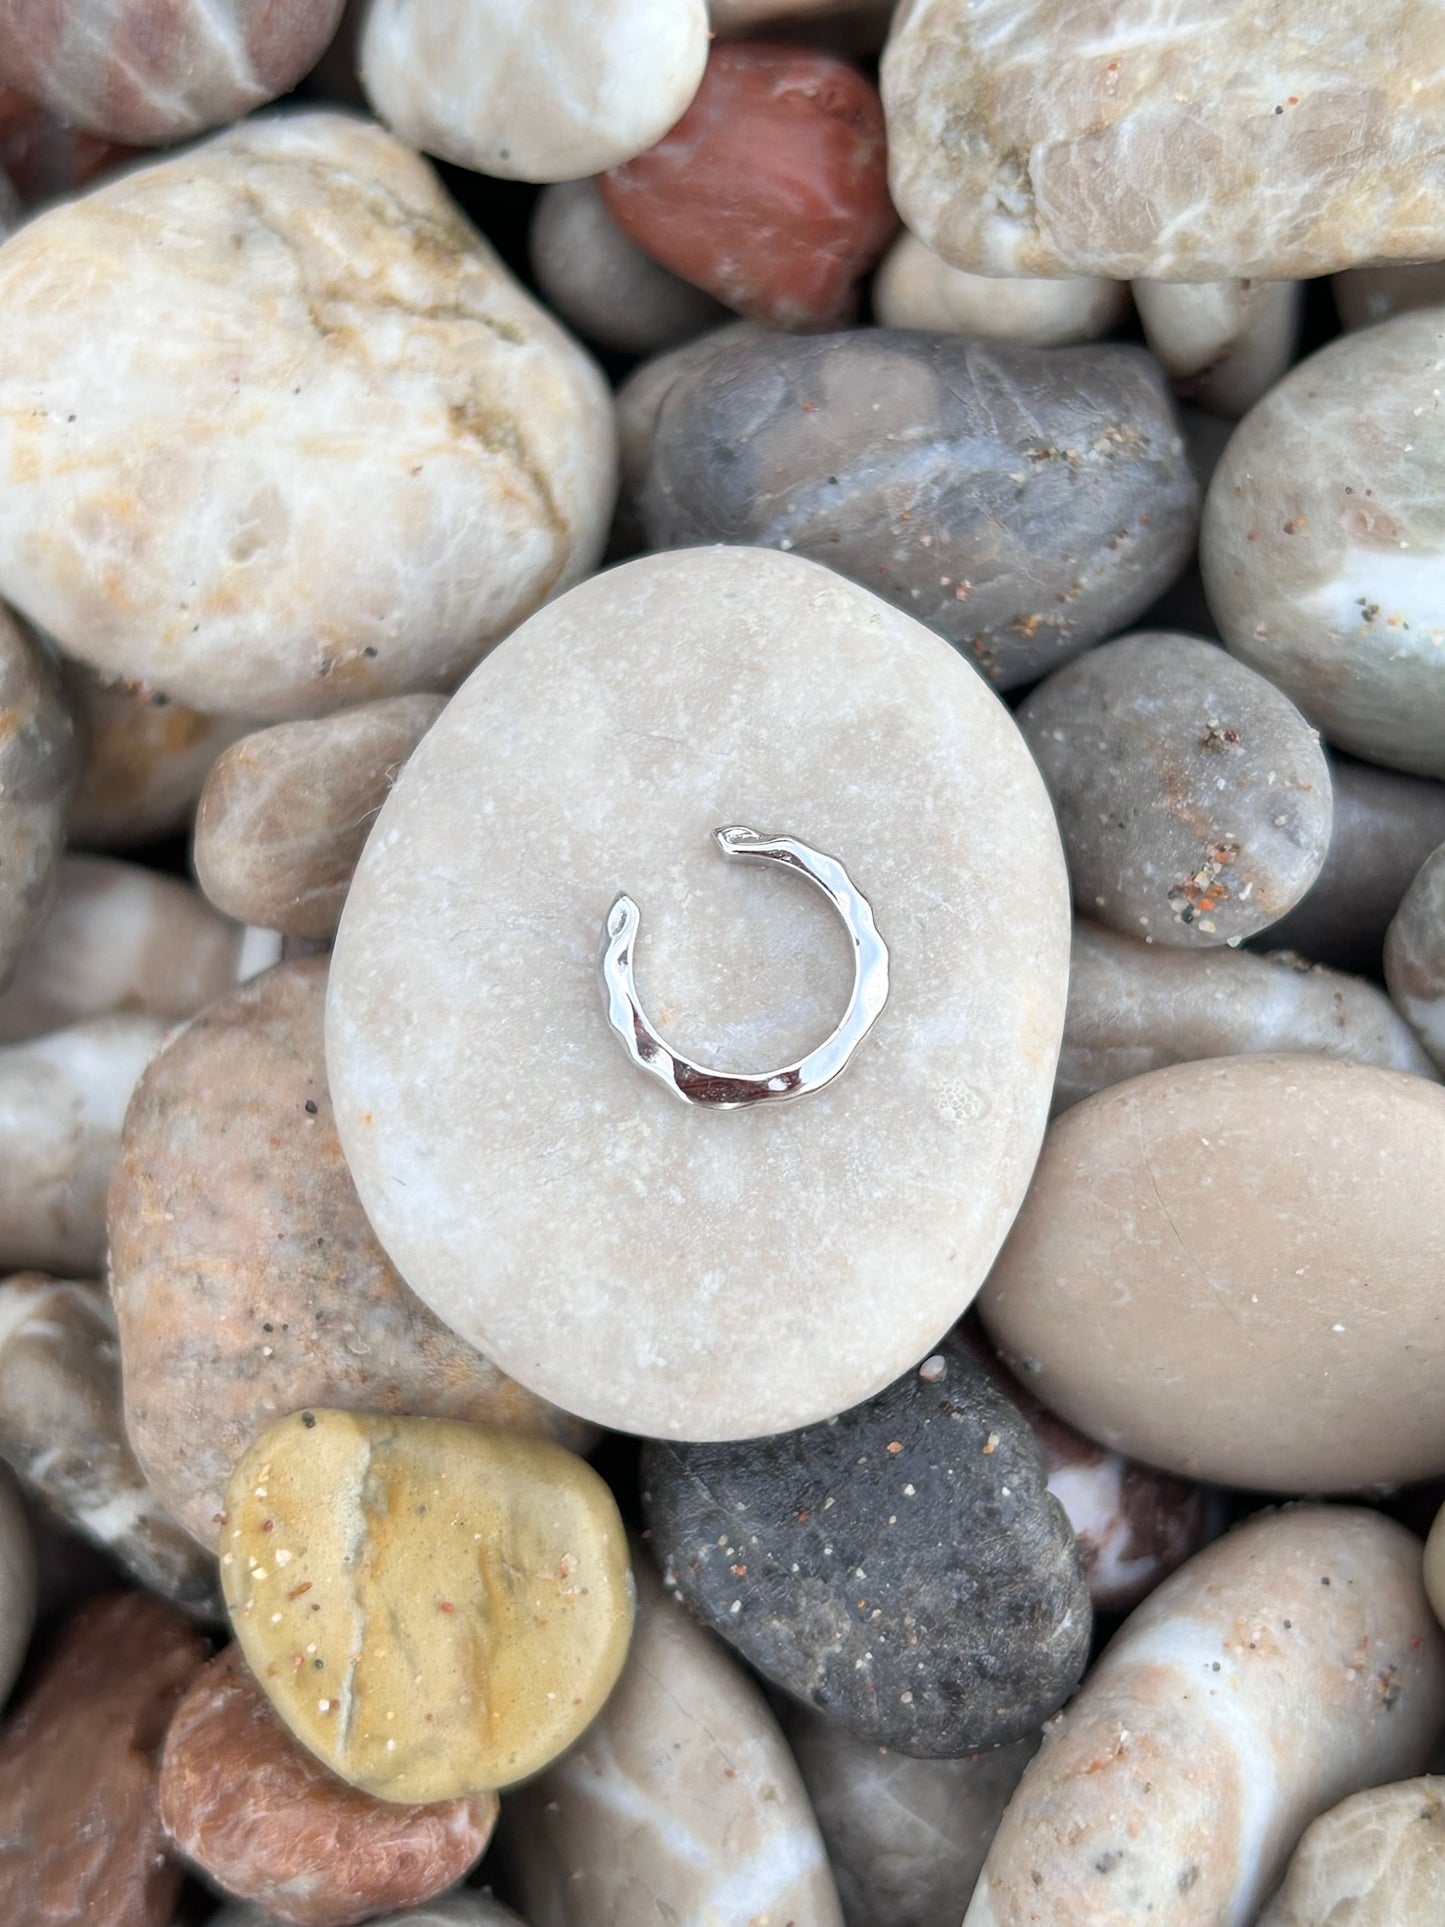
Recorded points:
729,1090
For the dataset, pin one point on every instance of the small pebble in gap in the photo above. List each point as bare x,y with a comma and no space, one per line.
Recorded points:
459,469
462,1909
1415,955
460,1600
1287,1665
771,192
119,937
249,1806
1042,137
681,1802
914,288
1136,1007
285,812
547,90
63,1101
1375,1860
1364,296
906,1837
1193,798
81,1840
61,1429
128,72
19,1578
1321,545
1435,1565
39,764
44,156
901,1568
248,1282
1385,825
1022,502
602,285
1223,344
1230,1269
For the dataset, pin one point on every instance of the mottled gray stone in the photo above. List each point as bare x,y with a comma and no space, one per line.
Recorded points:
902,1568
1193,798
1415,954
1023,502
1134,1007
1323,537
906,1837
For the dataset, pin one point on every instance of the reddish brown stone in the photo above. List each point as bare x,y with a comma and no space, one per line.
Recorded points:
772,190
81,1843
251,1807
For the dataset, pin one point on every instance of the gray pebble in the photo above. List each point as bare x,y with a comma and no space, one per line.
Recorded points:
901,1568
1134,1007
1024,502
1192,796
1415,955
39,763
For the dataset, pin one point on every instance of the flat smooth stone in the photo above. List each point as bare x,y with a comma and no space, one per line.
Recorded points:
1049,137
1375,1860
1322,546
1287,1665
1231,1269
433,1609
603,1242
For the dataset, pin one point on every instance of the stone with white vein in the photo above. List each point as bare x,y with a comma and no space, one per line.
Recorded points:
1184,142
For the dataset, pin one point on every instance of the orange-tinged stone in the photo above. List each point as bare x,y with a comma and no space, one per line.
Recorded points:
771,193
433,1609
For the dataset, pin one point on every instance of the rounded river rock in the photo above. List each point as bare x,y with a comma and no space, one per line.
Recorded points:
902,1568
528,1179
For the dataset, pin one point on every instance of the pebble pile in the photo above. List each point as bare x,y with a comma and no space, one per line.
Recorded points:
722,963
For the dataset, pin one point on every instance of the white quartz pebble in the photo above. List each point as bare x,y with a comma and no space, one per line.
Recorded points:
1375,1860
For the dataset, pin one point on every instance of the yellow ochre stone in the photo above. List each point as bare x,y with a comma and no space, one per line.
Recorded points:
432,1608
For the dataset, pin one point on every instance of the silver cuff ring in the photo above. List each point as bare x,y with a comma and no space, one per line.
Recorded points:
729,1090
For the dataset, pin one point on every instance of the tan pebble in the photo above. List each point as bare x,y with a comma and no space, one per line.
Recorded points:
491,1661
1375,1860
915,288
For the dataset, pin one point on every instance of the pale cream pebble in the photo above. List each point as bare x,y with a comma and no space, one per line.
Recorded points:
62,1431
1364,296
602,284
1116,137
286,811
1375,1860
1284,1667
533,90
1415,955
119,937
681,1802
1135,1007
332,448
144,759
916,288
1223,343
63,1100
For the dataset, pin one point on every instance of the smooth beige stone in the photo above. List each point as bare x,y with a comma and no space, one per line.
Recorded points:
331,448
526,1177
602,284
285,812
533,90
907,1838
680,1803
1113,137
62,1431
63,1100
1231,1269
1324,537
433,1609
39,762
17,1583
1415,955
1375,1860
119,937
915,288
1135,1007
145,759
1285,1666
1364,296
1223,343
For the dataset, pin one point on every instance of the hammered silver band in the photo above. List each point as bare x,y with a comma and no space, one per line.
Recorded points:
730,1090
